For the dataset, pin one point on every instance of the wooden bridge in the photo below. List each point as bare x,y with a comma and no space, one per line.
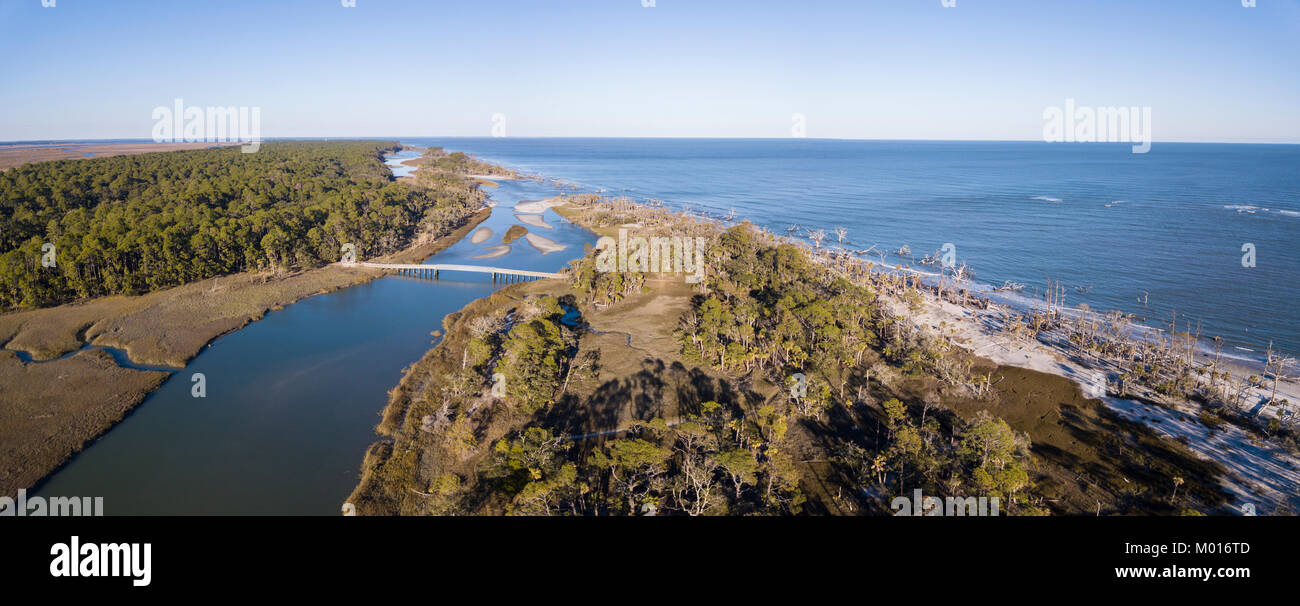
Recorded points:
432,270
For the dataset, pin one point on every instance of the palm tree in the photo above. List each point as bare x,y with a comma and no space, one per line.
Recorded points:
878,466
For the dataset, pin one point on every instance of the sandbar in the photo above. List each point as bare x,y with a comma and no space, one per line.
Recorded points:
533,220
494,252
546,245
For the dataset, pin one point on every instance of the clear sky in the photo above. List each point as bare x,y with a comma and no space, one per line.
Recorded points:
1211,70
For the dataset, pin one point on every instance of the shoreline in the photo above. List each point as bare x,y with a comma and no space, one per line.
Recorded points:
1231,357
1247,348
1025,303
1047,357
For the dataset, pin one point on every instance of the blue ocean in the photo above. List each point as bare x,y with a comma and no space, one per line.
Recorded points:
1155,235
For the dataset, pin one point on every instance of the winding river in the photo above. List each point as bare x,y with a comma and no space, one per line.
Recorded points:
292,399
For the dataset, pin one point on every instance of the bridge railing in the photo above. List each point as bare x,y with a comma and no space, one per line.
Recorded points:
438,267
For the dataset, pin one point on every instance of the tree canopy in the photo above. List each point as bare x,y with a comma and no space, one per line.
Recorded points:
138,223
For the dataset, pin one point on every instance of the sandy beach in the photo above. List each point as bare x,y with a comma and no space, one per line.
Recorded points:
533,220
537,207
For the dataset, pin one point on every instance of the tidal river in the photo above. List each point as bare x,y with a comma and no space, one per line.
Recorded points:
292,400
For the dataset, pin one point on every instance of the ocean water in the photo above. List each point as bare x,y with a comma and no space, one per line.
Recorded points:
1151,234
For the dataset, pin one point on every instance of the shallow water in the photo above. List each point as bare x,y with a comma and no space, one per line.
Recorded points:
119,356
292,399
394,162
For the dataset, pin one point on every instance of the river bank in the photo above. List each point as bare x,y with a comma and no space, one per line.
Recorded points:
291,399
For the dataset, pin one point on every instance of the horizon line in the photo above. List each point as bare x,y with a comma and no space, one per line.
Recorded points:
846,139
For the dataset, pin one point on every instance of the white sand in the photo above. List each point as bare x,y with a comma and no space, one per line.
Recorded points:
537,206
480,236
1259,473
546,245
534,220
494,252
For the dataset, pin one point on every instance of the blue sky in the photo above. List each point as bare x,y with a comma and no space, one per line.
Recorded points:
1211,70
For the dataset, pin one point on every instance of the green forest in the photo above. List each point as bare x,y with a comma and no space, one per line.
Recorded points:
134,224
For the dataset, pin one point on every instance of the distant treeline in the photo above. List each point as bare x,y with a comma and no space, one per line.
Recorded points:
133,224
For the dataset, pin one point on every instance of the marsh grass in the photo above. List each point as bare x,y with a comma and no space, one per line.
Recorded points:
50,411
